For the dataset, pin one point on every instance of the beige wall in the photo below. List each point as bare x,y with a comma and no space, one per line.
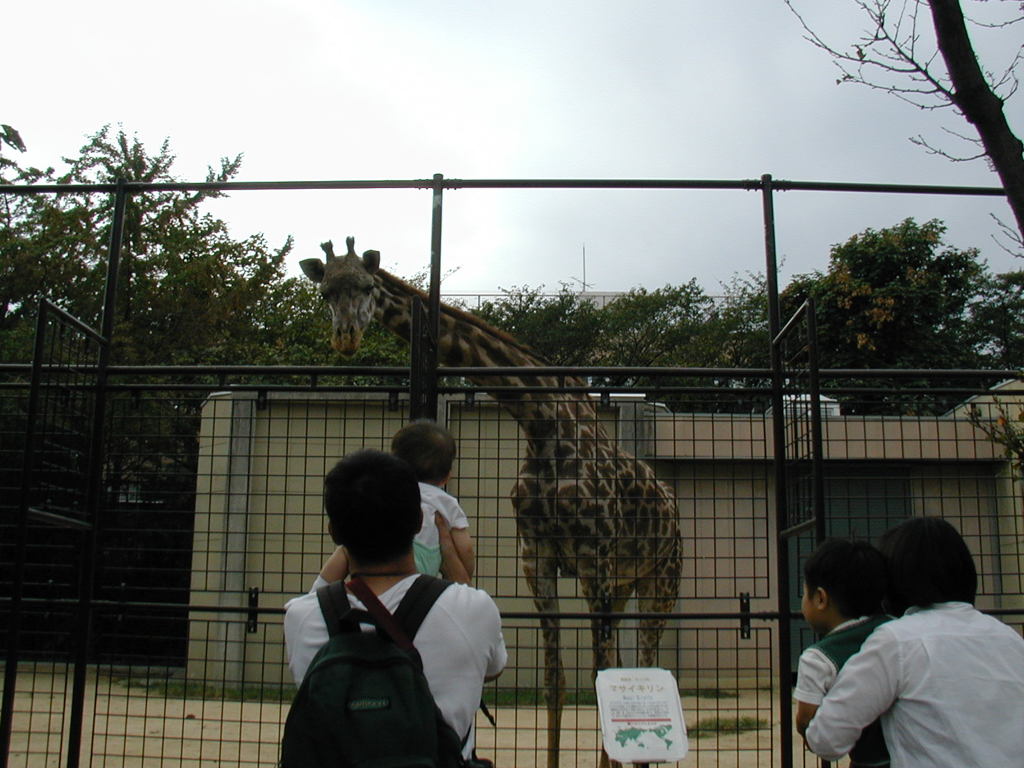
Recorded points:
259,520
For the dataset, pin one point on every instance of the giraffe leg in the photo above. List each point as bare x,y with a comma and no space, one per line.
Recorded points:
605,634
540,570
657,594
554,683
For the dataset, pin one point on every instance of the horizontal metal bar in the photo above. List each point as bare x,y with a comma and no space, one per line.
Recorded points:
243,610
754,184
135,187
246,186
910,189
115,606
741,184
549,370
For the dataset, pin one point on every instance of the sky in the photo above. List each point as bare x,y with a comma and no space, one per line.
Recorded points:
575,89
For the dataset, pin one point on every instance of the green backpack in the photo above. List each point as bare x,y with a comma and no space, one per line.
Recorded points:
364,700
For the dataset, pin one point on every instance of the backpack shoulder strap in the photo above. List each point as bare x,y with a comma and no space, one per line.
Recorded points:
418,601
339,616
402,626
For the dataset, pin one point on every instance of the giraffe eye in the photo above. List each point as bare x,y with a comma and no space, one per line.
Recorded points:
368,290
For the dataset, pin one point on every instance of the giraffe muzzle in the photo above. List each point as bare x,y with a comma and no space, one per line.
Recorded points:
347,343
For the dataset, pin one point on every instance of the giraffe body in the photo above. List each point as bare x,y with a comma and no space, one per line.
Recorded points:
584,507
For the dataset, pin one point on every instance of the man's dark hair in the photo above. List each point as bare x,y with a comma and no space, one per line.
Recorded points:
428,448
853,574
928,562
373,502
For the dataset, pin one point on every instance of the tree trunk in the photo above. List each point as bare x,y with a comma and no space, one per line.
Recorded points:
982,108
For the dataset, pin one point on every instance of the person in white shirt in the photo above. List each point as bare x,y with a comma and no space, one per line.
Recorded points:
946,680
373,508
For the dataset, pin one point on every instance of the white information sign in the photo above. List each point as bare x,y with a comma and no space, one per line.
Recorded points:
641,716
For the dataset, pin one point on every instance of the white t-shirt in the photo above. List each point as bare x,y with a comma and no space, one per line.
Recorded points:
948,683
427,543
816,672
460,642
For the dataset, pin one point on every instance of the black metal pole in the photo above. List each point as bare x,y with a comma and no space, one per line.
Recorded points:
778,438
21,542
434,300
94,488
434,306
817,442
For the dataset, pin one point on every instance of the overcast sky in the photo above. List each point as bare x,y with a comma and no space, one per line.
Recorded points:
372,89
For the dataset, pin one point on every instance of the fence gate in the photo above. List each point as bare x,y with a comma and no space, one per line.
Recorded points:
51,614
801,451
799,478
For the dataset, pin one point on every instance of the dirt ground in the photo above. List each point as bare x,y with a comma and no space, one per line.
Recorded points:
134,727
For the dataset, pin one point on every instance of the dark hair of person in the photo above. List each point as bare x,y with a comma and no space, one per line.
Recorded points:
373,502
428,448
851,572
928,562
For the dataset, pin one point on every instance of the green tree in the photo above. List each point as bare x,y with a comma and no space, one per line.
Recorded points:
737,331
562,329
188,292
895,298
999,317
655,328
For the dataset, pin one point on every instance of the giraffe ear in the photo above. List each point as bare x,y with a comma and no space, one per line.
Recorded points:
313,269
371,260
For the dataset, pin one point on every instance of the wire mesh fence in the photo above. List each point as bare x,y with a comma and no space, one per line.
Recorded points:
211,519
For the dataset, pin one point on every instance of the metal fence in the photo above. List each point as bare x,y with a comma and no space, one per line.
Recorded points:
210,520
150,634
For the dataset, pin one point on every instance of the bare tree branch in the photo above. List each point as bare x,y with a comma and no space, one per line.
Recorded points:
930,62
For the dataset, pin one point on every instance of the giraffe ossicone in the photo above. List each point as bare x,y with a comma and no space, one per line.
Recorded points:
584,507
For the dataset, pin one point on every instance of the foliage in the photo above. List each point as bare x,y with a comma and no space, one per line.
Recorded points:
1004,430
895,298
676,325
561,329
716,726
659,327
999,318
188,292
11,138
737,331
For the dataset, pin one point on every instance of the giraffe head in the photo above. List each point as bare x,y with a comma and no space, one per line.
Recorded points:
347,285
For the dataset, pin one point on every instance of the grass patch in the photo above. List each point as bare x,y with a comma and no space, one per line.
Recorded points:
718,726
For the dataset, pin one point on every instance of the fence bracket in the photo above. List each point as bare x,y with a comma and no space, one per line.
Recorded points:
254,604
744,615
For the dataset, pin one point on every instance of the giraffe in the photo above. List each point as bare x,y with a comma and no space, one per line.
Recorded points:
583,506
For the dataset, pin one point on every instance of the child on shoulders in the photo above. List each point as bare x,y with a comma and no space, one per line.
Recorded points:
443,546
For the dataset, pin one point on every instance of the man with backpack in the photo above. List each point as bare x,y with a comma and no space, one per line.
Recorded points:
373,508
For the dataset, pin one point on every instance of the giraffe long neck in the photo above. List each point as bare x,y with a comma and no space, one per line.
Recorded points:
465,340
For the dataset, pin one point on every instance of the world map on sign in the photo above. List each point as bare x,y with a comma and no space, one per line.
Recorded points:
626,735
